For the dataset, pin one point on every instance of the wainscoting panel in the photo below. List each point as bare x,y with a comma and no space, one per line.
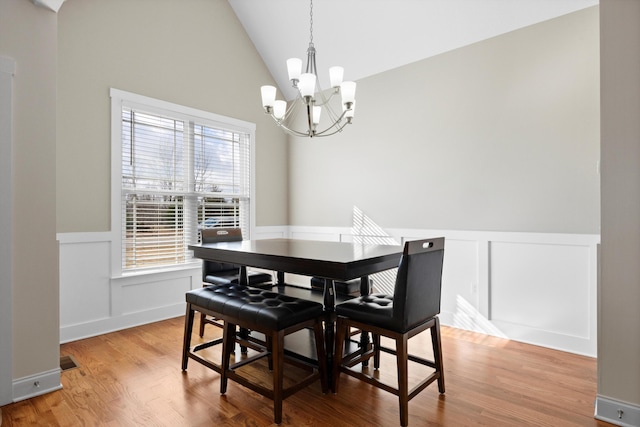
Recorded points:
538,288
153,292
531,287
93,303
84,281
541,287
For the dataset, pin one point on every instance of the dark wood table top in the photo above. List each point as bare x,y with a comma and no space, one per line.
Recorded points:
331,260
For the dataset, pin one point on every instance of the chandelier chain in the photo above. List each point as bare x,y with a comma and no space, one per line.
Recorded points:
311,24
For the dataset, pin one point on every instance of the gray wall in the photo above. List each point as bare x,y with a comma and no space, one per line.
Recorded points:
28,35
500,135
191,53
619,317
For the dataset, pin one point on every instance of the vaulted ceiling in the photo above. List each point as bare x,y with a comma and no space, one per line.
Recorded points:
367,37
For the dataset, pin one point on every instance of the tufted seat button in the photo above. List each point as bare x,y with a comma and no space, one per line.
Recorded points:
274,310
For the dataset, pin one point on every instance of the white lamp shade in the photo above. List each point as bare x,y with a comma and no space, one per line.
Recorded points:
268,95
279,109
316,114
348,90
294,68
307,84
335,75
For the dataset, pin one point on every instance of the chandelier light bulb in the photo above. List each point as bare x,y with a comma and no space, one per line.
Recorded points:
307,84
279,109
348,90
316,114
335,76
268,95
294,68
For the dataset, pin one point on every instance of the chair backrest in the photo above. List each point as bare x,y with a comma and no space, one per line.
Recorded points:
416,296
215,235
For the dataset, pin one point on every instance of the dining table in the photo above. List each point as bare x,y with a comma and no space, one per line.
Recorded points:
331,260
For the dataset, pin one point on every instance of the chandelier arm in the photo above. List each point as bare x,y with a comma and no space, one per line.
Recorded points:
309,119
288,130
335,123
322,134
326,100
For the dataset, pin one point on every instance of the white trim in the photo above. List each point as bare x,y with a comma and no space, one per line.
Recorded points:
111,324
608,410
84,237
36,385
7,70
116,183
141,101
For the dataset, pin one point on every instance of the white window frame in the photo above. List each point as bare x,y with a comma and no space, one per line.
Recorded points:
120,98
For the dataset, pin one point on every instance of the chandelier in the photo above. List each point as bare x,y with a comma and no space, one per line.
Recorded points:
310,97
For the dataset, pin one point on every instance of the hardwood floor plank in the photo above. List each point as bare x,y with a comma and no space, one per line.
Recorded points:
133,378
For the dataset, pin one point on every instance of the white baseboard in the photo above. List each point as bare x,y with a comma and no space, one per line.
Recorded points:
616,412
35,385
111,324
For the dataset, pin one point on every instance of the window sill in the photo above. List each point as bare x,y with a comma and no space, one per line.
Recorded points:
156,273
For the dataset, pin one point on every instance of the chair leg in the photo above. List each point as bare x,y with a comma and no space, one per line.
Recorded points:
321,354
341,332
403,380
277,343
436,342
376,351
188,329
228,345
202,322
244,334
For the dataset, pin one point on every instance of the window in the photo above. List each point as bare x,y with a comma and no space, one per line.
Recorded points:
179,170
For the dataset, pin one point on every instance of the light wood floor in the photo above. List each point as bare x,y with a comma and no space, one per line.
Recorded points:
133,378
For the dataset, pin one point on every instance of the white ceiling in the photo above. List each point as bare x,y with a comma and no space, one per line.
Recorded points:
367,37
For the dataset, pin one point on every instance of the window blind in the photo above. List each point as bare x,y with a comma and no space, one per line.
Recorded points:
179,176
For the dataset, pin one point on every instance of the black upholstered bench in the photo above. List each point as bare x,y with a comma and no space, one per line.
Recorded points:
270,313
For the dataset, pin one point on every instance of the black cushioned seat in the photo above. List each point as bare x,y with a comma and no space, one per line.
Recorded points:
274,315
254,305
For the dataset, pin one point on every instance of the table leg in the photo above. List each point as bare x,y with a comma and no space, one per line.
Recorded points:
329,329
244,281
364,336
